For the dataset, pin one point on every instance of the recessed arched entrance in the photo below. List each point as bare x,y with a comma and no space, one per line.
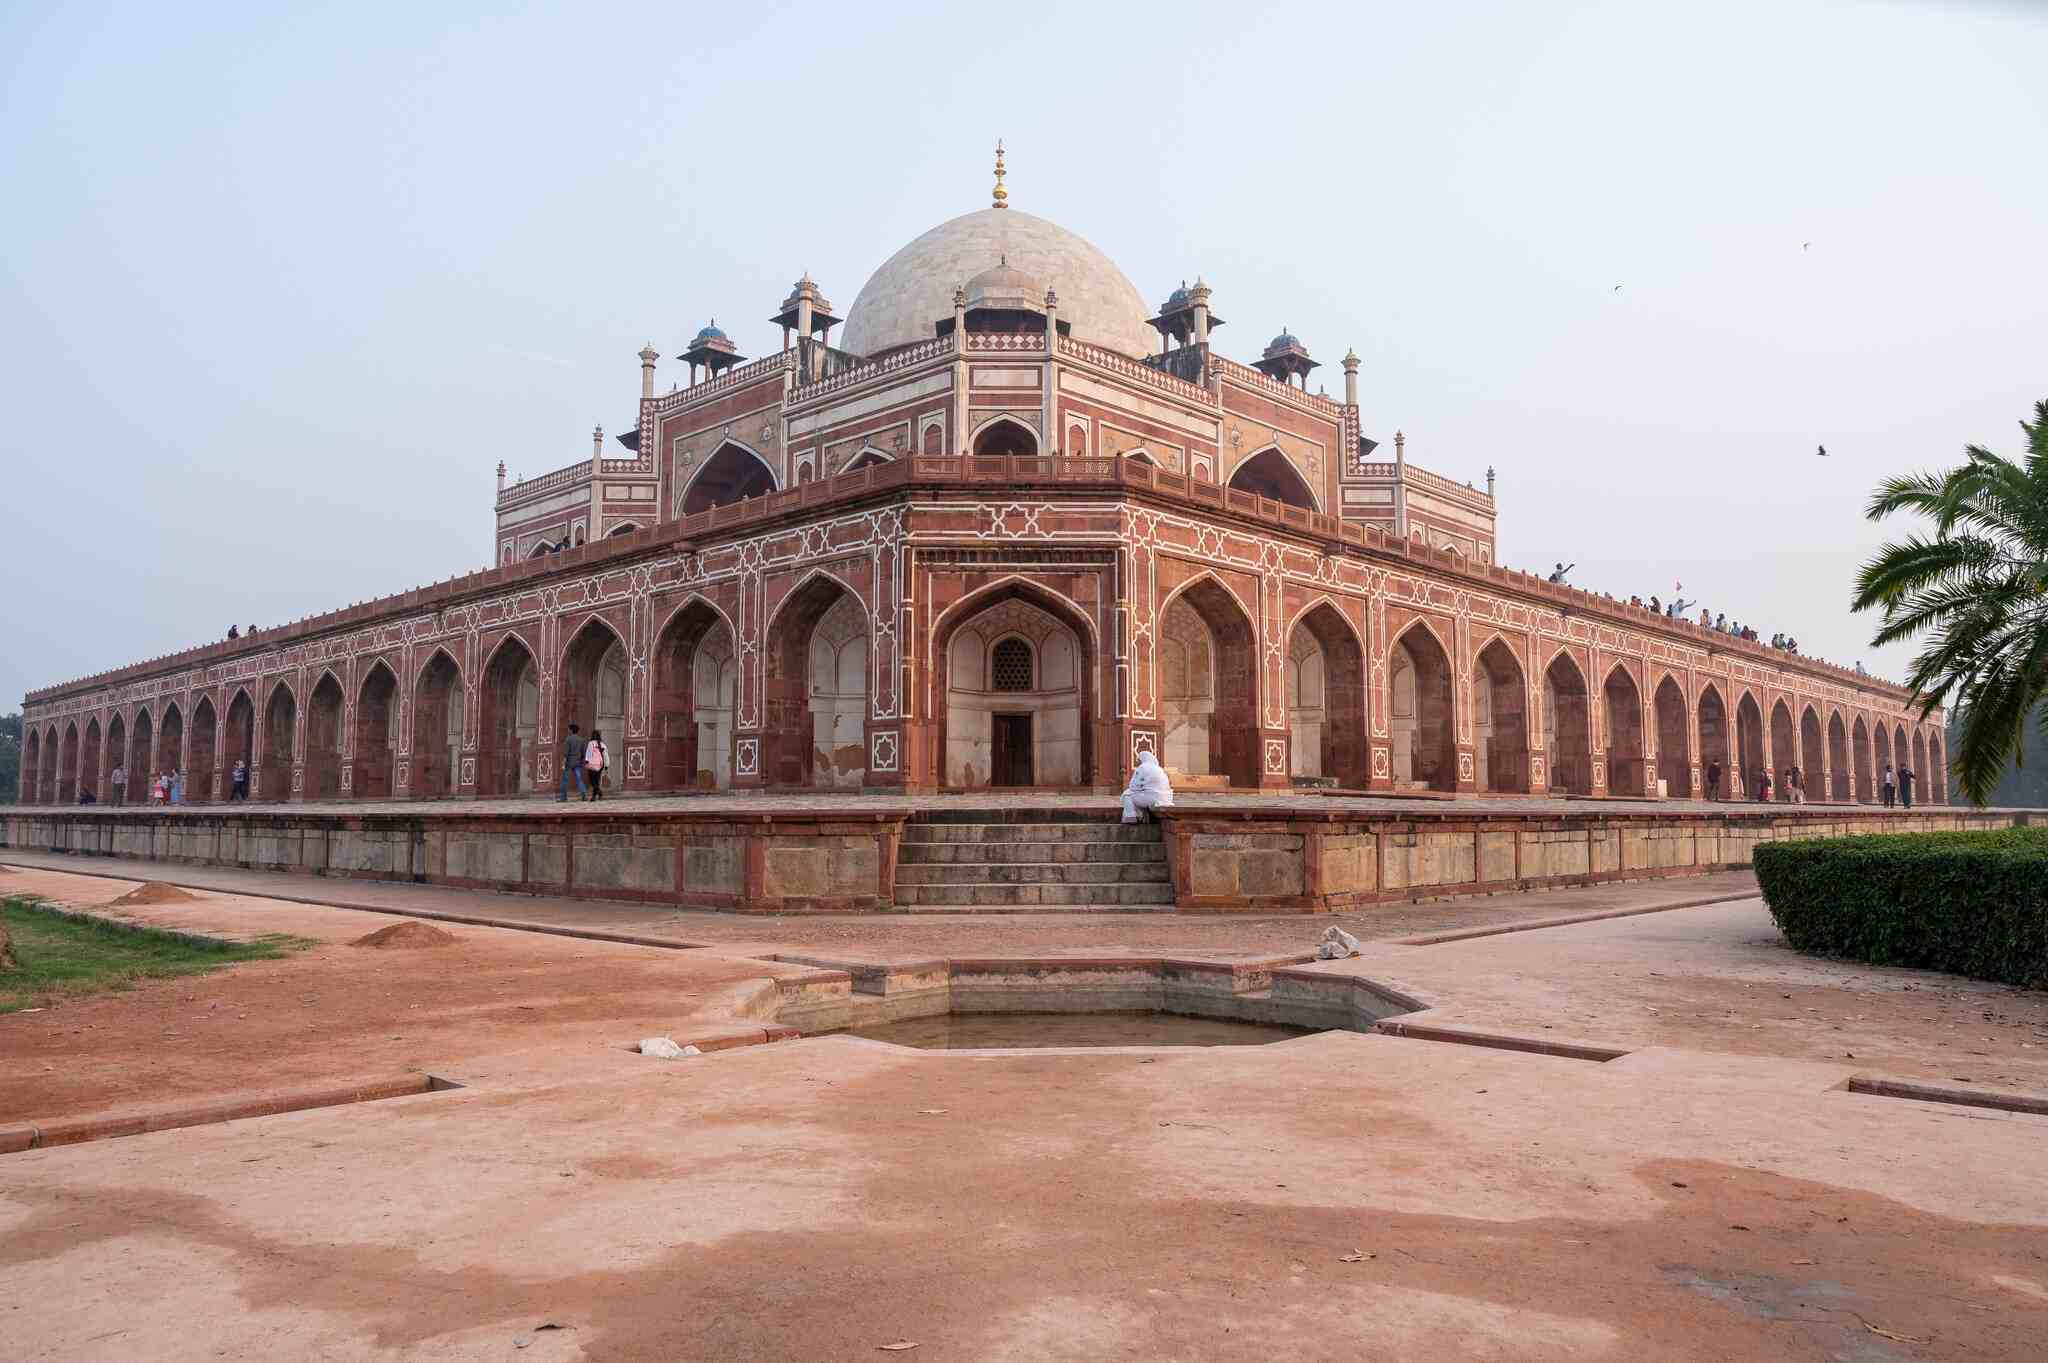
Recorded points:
1568,726
1749,746
814,710
1840,773
1422,711
323,739
1937,772
1882,760
1016,676
239,748
31,768
117,756
1717,767
204,748
1674,745
280,742
1272,475
1811,769
1326,699
67,765
1784,752
509,725
593,689
376,738
1209,711
1624,713
439,717
1866,783
1500,721
89,760
1919,767
170,742
1005,436
142,768
693,694
733,473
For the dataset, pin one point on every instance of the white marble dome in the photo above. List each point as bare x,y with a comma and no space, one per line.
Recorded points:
906,298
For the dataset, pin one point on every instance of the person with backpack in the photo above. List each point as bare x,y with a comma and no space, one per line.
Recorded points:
572,765
595,758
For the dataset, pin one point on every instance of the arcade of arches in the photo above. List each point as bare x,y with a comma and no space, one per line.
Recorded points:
1017,688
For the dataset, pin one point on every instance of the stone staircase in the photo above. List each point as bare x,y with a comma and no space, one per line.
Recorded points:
1030,861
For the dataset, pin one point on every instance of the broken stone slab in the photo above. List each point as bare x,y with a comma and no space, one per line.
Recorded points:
1336,945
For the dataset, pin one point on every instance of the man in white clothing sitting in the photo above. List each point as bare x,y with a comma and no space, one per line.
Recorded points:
1149,789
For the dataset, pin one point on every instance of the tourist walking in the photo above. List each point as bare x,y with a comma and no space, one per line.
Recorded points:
119,780
1890,786
177,787
1795,785
238,781
1149,789
1906,786
572,765
595,759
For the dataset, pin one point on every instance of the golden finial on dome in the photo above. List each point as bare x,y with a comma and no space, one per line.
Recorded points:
1002,195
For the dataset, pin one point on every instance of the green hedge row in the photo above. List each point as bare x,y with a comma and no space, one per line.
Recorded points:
1971,903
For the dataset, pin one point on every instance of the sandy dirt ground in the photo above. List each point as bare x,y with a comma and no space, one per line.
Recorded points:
1715,1194
335,1013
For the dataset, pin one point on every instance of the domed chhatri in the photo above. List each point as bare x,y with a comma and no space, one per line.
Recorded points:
903,301
712,350
1286,358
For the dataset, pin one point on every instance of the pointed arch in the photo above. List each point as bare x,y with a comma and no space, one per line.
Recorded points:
280,742
734,472
1500,724
89,760
1331,723
1937,769
1003,434
67,765
1269,473
1622,702
440,719
591,683
1920,764
1674,738
142,768
1750,753
1840,772
1812,755
202,745
116,756
1568,724
622,528
170,739
1429,727
1860,755
238,746
1058,704
691,720
805,713
1230,745
508,739
32,767
326,705
375,742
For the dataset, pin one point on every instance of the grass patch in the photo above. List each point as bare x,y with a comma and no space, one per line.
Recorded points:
64,955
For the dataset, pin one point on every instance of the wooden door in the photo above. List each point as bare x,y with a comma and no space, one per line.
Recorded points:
1010,760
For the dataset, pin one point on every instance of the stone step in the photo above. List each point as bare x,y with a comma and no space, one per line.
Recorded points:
1000,909
1049,896
986,853
1034,873
1021,814
1091,832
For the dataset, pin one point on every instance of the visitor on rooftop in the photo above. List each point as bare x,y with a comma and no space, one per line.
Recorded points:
1562,569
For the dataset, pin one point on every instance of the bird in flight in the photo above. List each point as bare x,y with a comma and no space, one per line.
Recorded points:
1823,451
1804,244
1617,288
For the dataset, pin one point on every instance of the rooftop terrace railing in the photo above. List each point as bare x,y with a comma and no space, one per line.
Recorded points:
986,474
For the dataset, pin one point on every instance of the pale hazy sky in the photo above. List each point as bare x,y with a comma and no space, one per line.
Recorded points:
279,291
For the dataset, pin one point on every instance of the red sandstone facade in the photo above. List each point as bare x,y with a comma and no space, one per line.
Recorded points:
997,554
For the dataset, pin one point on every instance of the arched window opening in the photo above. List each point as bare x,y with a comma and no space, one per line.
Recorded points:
1006,437
1272,475
1009,665
732,474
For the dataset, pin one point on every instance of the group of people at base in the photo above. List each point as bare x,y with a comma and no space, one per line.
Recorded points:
584,762
1764,789
165,788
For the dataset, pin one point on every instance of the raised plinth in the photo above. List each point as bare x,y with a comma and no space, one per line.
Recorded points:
843,854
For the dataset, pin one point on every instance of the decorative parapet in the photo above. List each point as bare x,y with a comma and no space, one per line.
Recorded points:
1125,367
1248,377
893,363
1423,478
738,377
1006,340
526,489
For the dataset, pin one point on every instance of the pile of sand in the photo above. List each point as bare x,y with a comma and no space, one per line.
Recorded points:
408,934
156,892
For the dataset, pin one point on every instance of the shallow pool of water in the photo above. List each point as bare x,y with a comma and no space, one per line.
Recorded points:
1003,1031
